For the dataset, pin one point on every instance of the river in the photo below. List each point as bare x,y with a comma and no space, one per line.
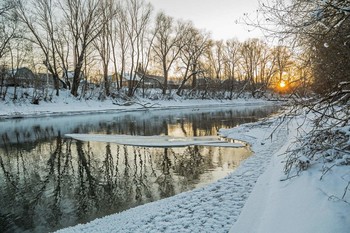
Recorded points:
49,181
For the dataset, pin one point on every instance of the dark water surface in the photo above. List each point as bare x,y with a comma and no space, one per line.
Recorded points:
48,182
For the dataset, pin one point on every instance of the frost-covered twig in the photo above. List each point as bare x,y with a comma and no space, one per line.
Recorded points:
346,190
327,170
147,105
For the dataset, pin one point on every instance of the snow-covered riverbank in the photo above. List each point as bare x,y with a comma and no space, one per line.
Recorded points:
212,208
251,199
316,200
68,105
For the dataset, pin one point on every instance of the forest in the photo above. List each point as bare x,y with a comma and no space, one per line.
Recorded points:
116,49
119,47
66,61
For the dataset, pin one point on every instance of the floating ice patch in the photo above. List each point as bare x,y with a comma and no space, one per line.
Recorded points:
155,141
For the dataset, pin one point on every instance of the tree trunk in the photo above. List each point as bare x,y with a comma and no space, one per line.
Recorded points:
56,84
194,78
76,81
77,73
165,72
106,81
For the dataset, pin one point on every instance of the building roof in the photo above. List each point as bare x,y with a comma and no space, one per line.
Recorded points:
133,77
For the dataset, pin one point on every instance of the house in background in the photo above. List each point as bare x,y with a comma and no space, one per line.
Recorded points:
141,80
152,81
135,78
22,76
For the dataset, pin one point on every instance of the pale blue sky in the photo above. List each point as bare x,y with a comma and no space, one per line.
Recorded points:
216,16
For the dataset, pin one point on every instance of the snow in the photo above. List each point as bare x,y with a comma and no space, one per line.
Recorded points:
257,197
213,208
301,204
254,198
65,104
155,141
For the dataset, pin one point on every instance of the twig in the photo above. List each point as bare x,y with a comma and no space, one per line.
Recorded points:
328,169
345,191
289,177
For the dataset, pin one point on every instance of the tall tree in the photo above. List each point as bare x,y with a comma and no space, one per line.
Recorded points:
138,13
195,46
39,18
251,55
8,25
320,29
266,68
215,56
231,62
168,44
8,31
84,23
119,41
282,60
103,41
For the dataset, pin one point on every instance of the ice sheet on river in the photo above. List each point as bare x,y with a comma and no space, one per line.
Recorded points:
155,141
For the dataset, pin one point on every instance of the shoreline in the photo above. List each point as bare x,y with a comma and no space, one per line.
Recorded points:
214,207
96,107
252,193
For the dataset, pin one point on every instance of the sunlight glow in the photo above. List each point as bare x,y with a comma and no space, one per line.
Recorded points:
282,84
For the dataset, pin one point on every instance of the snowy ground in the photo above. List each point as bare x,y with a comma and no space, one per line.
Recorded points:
210,209
302,204
251,199
314,201
65,104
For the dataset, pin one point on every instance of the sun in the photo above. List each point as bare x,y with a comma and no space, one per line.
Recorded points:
282,84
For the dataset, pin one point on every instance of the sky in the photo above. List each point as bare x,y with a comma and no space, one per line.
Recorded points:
216,16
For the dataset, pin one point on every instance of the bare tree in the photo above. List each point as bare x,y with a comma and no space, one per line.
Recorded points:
304,74
266,68
39,18
146,45
168,44
8,31
63,48
215,57
282,60
320,29
103,40
138,13
8,25
119,39
114,41
195,46
84,24
231,63
251,55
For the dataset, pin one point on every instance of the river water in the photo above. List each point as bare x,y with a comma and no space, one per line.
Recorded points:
48,181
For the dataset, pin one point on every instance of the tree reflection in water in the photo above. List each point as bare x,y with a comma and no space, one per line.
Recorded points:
79,181
48,182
